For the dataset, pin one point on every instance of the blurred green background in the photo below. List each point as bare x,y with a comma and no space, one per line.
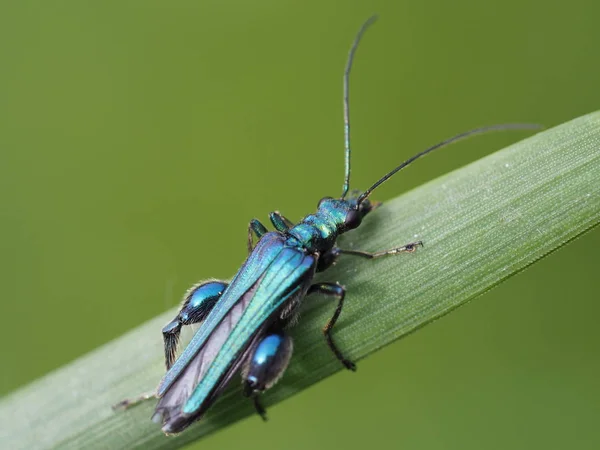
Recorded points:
138,138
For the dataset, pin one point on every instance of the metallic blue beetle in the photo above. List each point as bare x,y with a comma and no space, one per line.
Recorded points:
244,321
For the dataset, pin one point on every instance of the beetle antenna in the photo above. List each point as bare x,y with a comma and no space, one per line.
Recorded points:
458,137
347,70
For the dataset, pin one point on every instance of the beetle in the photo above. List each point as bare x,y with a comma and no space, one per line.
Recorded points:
244,322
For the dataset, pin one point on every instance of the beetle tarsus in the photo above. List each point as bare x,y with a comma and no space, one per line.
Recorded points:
131,402
408,248
260,409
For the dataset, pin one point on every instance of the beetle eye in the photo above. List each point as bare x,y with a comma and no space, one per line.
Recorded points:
353,219
323,200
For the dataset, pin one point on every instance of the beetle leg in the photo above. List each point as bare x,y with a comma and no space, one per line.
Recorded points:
267,360
408,248
129,402
197,303
334,290
327,259
260,409
258,229
280,222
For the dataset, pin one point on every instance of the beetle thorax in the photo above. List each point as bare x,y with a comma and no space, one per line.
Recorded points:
318,232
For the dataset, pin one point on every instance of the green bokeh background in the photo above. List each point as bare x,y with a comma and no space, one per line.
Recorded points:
138,138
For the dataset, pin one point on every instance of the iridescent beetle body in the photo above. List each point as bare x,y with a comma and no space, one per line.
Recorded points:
243,323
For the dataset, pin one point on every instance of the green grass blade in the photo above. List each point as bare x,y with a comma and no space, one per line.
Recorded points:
480,224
